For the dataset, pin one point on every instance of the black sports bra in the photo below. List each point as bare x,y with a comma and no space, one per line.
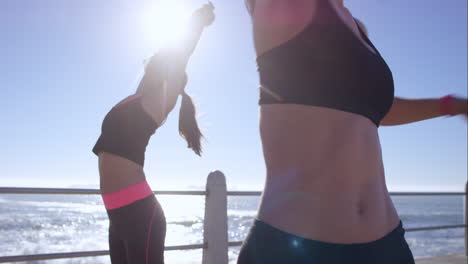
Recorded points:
126,131
327,65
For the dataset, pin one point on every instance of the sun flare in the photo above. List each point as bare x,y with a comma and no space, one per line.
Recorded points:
165,21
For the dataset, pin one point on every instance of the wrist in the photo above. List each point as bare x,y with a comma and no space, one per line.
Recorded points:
460,106
446,105
197,23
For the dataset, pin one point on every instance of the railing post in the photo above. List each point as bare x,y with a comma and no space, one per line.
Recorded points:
466,218
215,225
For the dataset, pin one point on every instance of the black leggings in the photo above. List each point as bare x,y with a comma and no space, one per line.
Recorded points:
267,245
137,232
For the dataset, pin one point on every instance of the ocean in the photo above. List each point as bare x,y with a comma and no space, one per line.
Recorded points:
39,224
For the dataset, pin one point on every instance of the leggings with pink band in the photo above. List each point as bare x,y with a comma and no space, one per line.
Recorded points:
137,226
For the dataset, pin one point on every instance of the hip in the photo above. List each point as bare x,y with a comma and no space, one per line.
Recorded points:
137,218
267,244
328,209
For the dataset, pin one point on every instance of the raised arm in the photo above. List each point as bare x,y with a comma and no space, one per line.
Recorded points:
180,53
405,111
165,77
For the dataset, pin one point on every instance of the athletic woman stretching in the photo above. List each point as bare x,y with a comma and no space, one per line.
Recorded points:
325,89
137,224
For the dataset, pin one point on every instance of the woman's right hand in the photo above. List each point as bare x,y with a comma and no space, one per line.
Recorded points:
204,15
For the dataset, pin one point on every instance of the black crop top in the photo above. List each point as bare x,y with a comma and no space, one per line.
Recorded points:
126,131
327,65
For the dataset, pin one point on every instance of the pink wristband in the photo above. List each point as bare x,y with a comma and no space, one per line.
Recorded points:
446,105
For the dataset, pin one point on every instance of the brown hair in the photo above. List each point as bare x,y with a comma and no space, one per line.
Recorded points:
188,126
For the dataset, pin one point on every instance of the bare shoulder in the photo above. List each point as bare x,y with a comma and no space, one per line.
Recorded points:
277,21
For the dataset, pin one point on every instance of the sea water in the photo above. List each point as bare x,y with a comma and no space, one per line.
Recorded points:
39,224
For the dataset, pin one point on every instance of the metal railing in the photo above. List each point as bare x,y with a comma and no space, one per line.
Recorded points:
215,241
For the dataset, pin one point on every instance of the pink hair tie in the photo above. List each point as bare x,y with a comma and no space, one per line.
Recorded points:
446,105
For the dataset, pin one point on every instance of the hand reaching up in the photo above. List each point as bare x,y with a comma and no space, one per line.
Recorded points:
204,15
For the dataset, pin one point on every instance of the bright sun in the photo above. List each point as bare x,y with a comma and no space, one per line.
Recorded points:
165,21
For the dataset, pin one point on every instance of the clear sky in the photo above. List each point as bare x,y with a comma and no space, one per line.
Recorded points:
65,63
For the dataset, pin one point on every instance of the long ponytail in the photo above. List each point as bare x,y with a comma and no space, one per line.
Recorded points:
188,126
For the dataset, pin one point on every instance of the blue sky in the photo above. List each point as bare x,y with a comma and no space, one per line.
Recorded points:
66,63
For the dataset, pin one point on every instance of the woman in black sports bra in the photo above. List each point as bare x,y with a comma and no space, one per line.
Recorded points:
325,90
137,224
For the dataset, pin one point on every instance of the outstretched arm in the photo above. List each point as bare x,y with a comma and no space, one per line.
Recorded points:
179,53
405,111
165,76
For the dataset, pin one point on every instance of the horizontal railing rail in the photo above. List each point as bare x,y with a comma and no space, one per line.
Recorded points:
257,193
430,228
65,191
214,188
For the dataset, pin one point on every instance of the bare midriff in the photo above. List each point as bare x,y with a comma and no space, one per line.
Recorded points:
325,176
118,173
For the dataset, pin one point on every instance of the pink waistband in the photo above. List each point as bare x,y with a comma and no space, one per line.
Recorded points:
126,196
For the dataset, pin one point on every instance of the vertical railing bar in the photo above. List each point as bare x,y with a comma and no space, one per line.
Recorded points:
465,212
215,229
